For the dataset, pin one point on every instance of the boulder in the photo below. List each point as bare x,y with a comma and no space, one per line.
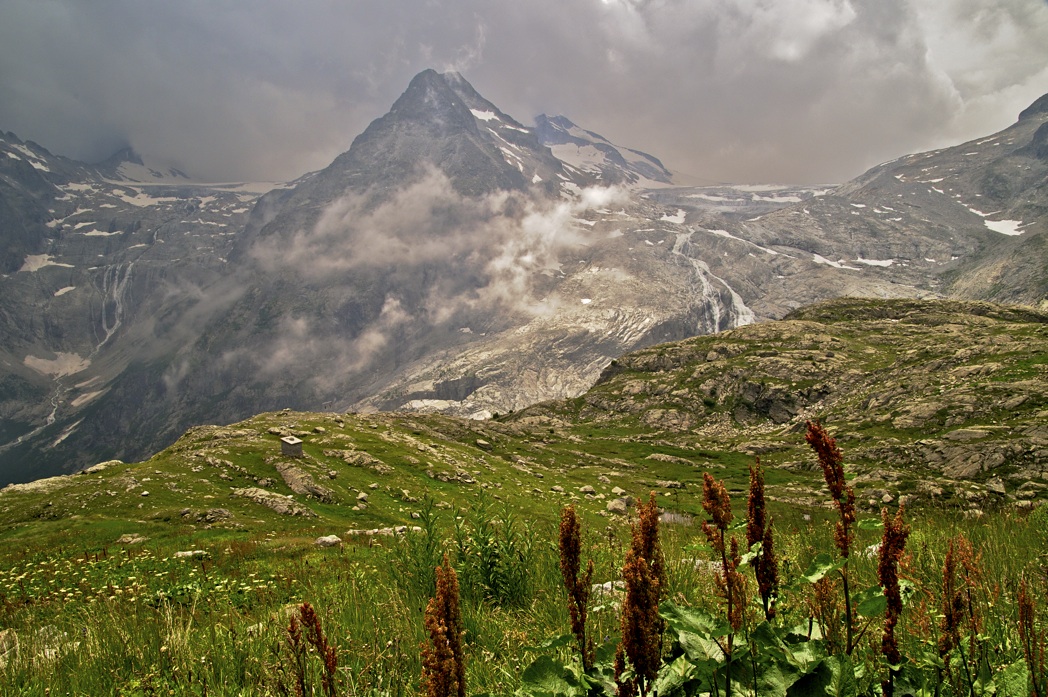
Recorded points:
966,434
95,469
191,554
329,541
301,482
213,515
284,505
618,506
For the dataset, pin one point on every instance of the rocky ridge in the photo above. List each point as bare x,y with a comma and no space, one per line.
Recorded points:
449,261
934,403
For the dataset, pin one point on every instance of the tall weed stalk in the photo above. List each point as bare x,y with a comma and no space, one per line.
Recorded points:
832,462
639,654
576,584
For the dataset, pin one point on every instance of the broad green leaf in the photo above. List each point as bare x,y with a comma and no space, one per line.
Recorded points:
689,619
606,652
870,524
767,643
753,553
674,676
548,677
871,602
777,666
913,680
773,681
821,565
833,676
805,656
907,590
700,647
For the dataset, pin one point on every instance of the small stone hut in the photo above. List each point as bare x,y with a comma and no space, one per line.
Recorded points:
291,446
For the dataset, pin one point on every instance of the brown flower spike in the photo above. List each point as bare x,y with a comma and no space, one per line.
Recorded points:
832,462
730,583
443,660
645,577
1032,641
959,607
578,587
758,529
892,545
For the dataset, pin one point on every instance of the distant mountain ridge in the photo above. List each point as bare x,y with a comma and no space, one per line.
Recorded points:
451,260
127,165
592,152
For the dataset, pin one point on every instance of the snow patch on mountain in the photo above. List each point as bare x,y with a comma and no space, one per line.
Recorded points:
61,365
594,154
35,262
1005,227
819,259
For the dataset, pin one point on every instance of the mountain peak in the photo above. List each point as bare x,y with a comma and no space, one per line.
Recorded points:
126,164
127,154
1040,106
591,152
431,99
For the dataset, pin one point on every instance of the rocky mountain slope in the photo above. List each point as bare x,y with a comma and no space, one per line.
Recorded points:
99,274
449,261
934,403
591,152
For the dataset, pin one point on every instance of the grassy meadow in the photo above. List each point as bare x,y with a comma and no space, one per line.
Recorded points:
183,574
93,617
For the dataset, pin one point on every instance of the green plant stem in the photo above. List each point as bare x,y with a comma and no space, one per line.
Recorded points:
731,633
848,629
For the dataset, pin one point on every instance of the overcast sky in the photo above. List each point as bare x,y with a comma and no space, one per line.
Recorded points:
789,91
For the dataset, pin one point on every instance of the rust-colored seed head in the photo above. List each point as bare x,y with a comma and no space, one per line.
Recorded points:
645,576
892,545
578,587
1034,643
832,462
952,606
758,529
715,501
641,627
646,539
443,659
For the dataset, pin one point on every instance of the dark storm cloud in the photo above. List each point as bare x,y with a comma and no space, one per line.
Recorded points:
728,90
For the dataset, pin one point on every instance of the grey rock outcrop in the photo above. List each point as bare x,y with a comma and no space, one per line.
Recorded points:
283,505
301,482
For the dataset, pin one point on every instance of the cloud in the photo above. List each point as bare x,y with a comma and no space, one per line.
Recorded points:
728,90
432,259
500,241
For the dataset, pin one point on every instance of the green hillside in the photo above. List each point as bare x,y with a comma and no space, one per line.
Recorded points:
940,406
